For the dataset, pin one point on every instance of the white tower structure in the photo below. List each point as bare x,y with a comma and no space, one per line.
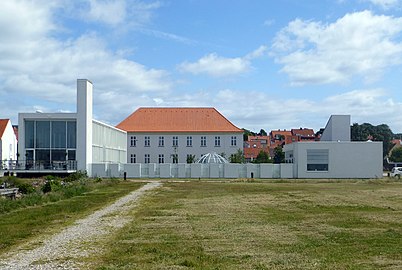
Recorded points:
84,124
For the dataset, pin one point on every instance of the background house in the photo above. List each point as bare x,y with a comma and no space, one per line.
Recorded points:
254,145
174,135
8,143
335,156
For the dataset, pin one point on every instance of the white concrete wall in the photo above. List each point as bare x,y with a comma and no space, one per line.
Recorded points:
84,125
367,167
337,129
345,159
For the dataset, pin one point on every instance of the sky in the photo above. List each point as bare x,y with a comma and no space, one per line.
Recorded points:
263,64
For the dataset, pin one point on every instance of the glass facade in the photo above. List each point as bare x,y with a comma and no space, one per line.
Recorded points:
50,140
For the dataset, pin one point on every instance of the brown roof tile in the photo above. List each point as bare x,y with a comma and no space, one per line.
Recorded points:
3,125
177,120
305,132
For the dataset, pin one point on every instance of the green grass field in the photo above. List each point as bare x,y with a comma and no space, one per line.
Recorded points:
263,225
284,224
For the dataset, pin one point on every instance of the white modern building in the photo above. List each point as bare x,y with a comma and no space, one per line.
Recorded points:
335,156
175,135
8,143
69,141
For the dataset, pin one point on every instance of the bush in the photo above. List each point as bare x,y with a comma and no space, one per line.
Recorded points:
25,188
52,185
76,176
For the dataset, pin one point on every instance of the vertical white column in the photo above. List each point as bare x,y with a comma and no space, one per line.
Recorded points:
84,125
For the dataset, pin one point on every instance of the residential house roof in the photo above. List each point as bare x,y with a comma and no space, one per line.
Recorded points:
275,133
3,125
262,139
303,132
177,120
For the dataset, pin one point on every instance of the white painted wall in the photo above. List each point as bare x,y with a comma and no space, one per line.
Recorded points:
8,144
182,150
346,159
337,129
84,125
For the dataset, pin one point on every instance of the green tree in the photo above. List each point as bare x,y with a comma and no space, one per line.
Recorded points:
262,157
279,155
247,133
262,133
238,157
396,155
367,131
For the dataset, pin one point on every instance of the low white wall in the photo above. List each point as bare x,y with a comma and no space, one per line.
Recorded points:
195,170
185,171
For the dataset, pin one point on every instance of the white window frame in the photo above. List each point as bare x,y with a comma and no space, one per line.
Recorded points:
147,141
217,141
189,141
203,141
133,158
133,141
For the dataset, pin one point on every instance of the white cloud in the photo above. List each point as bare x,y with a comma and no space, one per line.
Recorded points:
218,66
36,66
358,44
109,12
117,12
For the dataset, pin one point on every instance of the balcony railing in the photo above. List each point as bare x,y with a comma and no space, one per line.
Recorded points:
38,165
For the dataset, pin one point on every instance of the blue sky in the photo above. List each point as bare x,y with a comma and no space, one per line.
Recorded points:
263,64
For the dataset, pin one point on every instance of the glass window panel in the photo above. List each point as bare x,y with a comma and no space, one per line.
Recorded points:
59,155
42,134
317,159
42,155
29,134
71,135
71,155
58,134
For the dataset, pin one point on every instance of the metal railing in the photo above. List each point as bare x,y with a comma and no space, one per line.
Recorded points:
38,165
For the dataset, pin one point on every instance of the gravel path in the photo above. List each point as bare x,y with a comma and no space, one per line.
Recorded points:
66,249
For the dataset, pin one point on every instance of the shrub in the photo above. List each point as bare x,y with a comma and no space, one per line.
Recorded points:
46,187
52,185
76,176
25,188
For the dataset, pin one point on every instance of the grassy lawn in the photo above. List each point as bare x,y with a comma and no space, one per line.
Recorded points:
20,225
263,225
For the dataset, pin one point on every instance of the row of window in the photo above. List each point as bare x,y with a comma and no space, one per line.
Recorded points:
161,158
175,141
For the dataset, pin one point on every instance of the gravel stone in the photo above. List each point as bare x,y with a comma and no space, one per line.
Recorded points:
66,249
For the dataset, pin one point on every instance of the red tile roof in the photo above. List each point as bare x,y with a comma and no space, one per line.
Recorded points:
305,132
3,125
258,138
280,132
177,120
